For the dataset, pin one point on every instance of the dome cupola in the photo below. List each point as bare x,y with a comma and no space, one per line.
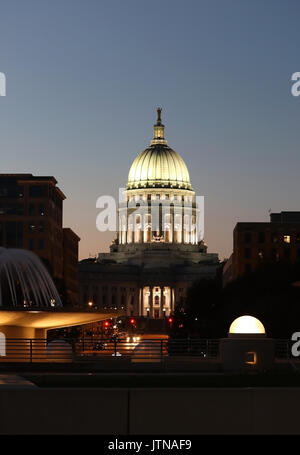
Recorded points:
158,166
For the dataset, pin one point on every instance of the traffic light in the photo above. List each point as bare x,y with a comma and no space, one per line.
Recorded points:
106,324
132,321
170,320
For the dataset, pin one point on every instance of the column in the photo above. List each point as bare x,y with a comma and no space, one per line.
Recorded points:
144,228
160,214
171,299
151,301
142,302
172,223
182,222
162,302
120,228
126,238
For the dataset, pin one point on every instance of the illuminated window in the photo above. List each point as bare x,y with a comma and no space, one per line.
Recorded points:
250,358
287,239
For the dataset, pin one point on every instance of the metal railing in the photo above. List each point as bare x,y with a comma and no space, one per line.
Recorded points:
93,349
131,348
283,349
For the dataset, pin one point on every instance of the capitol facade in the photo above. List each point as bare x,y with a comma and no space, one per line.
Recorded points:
159,249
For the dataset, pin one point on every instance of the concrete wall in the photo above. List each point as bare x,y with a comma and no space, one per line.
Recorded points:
150,411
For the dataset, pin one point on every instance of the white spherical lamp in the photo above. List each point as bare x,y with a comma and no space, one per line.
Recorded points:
247,325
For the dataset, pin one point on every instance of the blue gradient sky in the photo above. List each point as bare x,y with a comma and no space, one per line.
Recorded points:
84,79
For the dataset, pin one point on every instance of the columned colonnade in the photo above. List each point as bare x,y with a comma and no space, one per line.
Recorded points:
156,301
158,222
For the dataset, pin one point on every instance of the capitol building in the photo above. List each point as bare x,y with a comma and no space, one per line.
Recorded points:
159,249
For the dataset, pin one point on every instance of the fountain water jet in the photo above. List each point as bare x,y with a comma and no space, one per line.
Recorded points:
30,305
25,281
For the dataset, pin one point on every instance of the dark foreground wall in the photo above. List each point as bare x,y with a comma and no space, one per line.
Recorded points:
150,411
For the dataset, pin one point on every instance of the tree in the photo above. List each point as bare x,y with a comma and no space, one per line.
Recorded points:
270,293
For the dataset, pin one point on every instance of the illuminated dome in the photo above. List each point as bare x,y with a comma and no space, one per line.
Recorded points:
246,325
159,166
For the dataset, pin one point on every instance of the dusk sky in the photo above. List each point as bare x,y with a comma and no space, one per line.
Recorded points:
84,79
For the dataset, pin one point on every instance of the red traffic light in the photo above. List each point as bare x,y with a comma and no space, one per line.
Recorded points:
132,321
106,323
170,320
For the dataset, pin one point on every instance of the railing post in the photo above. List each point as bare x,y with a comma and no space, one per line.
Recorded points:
30,350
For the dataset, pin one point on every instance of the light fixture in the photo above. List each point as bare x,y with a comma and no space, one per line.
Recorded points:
246,325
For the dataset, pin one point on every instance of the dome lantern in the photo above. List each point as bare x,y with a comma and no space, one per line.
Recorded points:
159,130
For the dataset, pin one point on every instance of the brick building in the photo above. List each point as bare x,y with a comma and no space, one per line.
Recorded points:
70,264
255,243
31,216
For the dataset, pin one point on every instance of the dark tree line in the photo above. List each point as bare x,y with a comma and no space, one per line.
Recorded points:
271,294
